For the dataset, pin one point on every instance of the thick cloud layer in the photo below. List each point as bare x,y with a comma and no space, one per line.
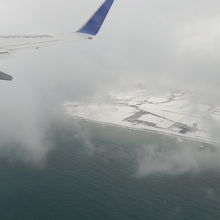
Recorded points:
164,45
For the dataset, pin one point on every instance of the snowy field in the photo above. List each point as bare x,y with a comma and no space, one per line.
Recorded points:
176,114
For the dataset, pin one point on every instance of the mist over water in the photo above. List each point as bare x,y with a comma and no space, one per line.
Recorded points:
36,101
110,178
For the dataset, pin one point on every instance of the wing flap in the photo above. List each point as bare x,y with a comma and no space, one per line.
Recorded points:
4,76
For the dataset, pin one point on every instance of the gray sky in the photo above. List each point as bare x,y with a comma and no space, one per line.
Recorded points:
165,45
161,43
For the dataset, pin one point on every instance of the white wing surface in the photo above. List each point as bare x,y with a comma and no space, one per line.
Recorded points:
11,43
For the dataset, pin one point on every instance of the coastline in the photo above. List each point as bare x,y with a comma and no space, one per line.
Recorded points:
107,124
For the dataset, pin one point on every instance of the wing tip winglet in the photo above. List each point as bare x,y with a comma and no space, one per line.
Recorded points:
94,24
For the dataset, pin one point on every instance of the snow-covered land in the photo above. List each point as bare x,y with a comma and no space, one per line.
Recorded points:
176,114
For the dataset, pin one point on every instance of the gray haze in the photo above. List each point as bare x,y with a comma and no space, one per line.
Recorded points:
165,45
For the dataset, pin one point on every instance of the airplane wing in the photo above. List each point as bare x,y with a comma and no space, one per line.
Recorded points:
11,43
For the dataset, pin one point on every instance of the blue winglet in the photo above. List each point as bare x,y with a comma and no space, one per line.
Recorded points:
94,24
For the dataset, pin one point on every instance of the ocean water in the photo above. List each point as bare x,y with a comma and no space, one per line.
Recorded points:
97,172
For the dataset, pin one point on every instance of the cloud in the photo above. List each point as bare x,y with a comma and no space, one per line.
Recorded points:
24,124
177,159
165,46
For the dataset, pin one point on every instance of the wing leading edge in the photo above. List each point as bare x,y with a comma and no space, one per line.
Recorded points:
10,43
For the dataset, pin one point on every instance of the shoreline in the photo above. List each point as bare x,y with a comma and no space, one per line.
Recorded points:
198,140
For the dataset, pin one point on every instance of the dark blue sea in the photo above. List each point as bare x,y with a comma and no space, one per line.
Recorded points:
95,172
